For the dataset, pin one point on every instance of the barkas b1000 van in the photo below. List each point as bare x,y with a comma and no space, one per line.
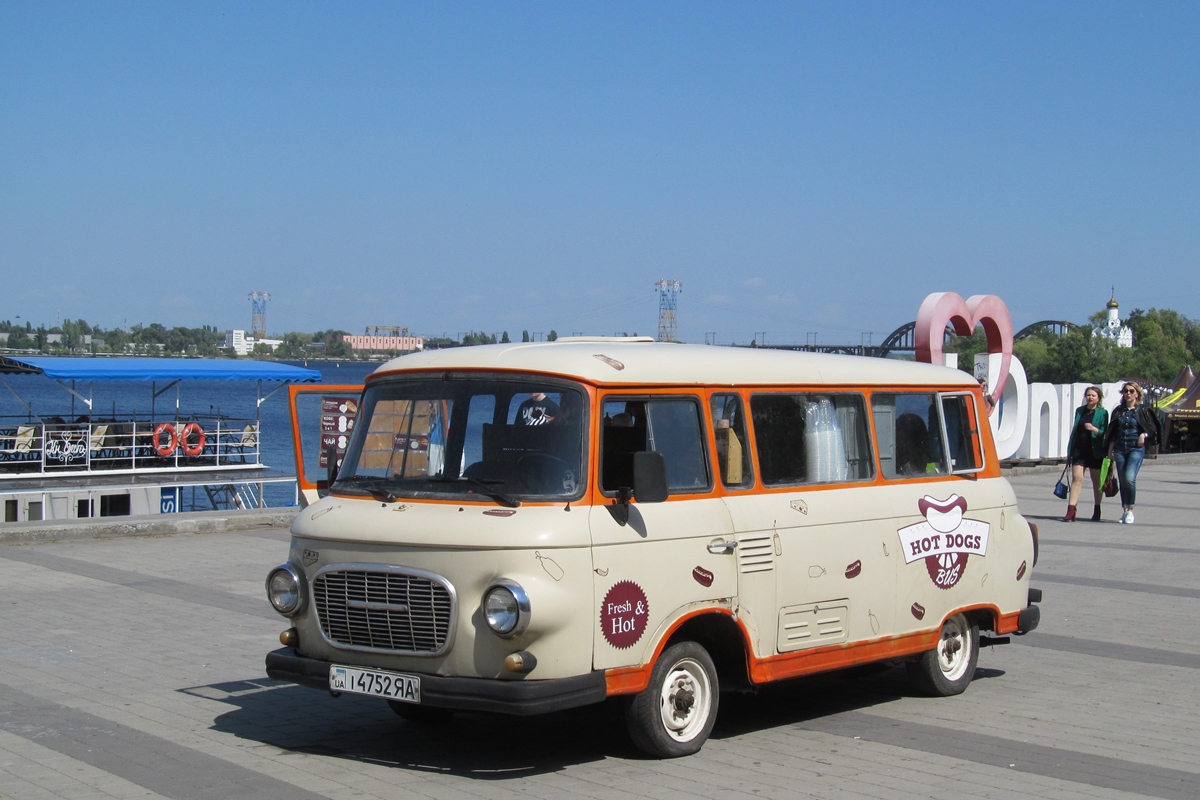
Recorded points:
527,528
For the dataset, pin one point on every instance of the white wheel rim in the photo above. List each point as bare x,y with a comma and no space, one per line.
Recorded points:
954,649
685,700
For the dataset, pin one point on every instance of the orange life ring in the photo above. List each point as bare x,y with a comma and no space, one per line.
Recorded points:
193,439
165,449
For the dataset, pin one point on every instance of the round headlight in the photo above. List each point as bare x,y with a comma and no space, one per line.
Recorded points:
506,609
285,589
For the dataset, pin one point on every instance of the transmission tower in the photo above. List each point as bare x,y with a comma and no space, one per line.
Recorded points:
668,321
258,314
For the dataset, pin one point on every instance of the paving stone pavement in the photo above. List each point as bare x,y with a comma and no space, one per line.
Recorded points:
132,667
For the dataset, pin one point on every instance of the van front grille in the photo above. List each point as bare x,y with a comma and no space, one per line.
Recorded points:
386,610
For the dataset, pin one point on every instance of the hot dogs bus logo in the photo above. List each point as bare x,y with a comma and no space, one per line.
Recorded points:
945,540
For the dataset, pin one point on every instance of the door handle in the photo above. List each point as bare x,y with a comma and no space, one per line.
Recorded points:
718,547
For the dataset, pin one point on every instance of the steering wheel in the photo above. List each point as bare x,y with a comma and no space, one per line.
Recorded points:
542,473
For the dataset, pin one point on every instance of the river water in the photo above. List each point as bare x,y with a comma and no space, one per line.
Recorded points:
229,398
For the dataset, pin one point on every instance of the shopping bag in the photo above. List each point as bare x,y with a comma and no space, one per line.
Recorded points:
1060,488
1108,479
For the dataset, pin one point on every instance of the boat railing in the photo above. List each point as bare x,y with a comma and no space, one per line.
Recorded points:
57,446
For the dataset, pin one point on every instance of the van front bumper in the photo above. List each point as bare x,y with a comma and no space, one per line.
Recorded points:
517,697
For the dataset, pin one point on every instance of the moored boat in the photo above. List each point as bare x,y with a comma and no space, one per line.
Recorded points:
119,462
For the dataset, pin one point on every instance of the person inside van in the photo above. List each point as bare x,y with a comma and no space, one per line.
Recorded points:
537,410
912,445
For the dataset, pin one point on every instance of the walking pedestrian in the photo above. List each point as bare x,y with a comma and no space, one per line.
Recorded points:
1086,450
1131,427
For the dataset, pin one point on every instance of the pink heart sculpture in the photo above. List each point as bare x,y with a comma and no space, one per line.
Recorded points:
947,308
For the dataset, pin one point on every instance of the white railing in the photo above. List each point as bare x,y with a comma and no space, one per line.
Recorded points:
56,447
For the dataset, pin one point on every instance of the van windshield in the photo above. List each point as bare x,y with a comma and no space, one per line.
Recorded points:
468,436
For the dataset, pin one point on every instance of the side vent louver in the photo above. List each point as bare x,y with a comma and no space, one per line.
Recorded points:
756,554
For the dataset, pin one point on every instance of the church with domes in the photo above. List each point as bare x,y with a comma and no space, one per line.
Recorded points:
1113,330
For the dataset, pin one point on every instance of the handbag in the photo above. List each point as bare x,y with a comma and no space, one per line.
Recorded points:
1060,488
1108,477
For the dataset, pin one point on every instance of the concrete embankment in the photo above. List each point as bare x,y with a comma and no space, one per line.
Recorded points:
150,525
250,519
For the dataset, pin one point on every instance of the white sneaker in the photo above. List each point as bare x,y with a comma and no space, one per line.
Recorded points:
1129,517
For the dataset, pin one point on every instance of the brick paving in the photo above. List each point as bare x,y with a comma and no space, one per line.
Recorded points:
132,667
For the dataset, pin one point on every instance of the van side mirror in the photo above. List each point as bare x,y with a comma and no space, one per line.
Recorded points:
650,477
649,485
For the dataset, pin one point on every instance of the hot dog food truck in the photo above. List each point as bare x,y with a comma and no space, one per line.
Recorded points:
526,528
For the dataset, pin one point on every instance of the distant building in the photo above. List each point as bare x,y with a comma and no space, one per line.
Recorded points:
1113,330
243,345
236,341
397,343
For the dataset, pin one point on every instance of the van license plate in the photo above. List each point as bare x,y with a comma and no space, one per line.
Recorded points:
392,685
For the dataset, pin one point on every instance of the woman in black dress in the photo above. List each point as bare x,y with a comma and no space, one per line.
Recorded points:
1087,450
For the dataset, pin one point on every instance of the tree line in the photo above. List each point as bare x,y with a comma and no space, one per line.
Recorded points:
75,337
1164,341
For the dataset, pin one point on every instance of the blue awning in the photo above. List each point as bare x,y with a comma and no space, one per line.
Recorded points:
157,369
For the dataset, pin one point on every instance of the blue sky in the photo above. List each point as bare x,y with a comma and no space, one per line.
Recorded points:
810,171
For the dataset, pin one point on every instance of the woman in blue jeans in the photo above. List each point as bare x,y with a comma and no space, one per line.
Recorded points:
1131,428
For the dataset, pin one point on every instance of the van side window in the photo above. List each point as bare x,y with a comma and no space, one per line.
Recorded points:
668,425
811,438
962,434
909,429
733,449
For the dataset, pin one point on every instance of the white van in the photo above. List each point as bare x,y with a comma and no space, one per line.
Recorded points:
524,528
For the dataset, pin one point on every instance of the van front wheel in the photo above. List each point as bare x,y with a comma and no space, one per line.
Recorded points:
948,668
675,714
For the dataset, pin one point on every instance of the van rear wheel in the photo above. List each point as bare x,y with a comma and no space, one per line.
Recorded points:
675,714
948,668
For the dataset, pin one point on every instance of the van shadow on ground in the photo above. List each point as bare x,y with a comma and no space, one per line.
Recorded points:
496,747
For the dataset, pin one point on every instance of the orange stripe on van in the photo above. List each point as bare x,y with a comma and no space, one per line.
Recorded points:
793,665
631,680
1007,623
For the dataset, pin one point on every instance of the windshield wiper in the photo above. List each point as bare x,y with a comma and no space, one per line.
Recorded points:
377,492
486,487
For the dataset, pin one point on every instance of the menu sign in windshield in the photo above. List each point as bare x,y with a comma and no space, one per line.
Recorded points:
338,414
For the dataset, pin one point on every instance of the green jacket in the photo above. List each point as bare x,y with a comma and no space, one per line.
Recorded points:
1100,420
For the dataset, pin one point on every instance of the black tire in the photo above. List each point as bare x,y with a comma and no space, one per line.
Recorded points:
948,668
424,715
675,714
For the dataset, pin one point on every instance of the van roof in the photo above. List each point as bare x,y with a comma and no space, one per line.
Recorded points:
641,361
